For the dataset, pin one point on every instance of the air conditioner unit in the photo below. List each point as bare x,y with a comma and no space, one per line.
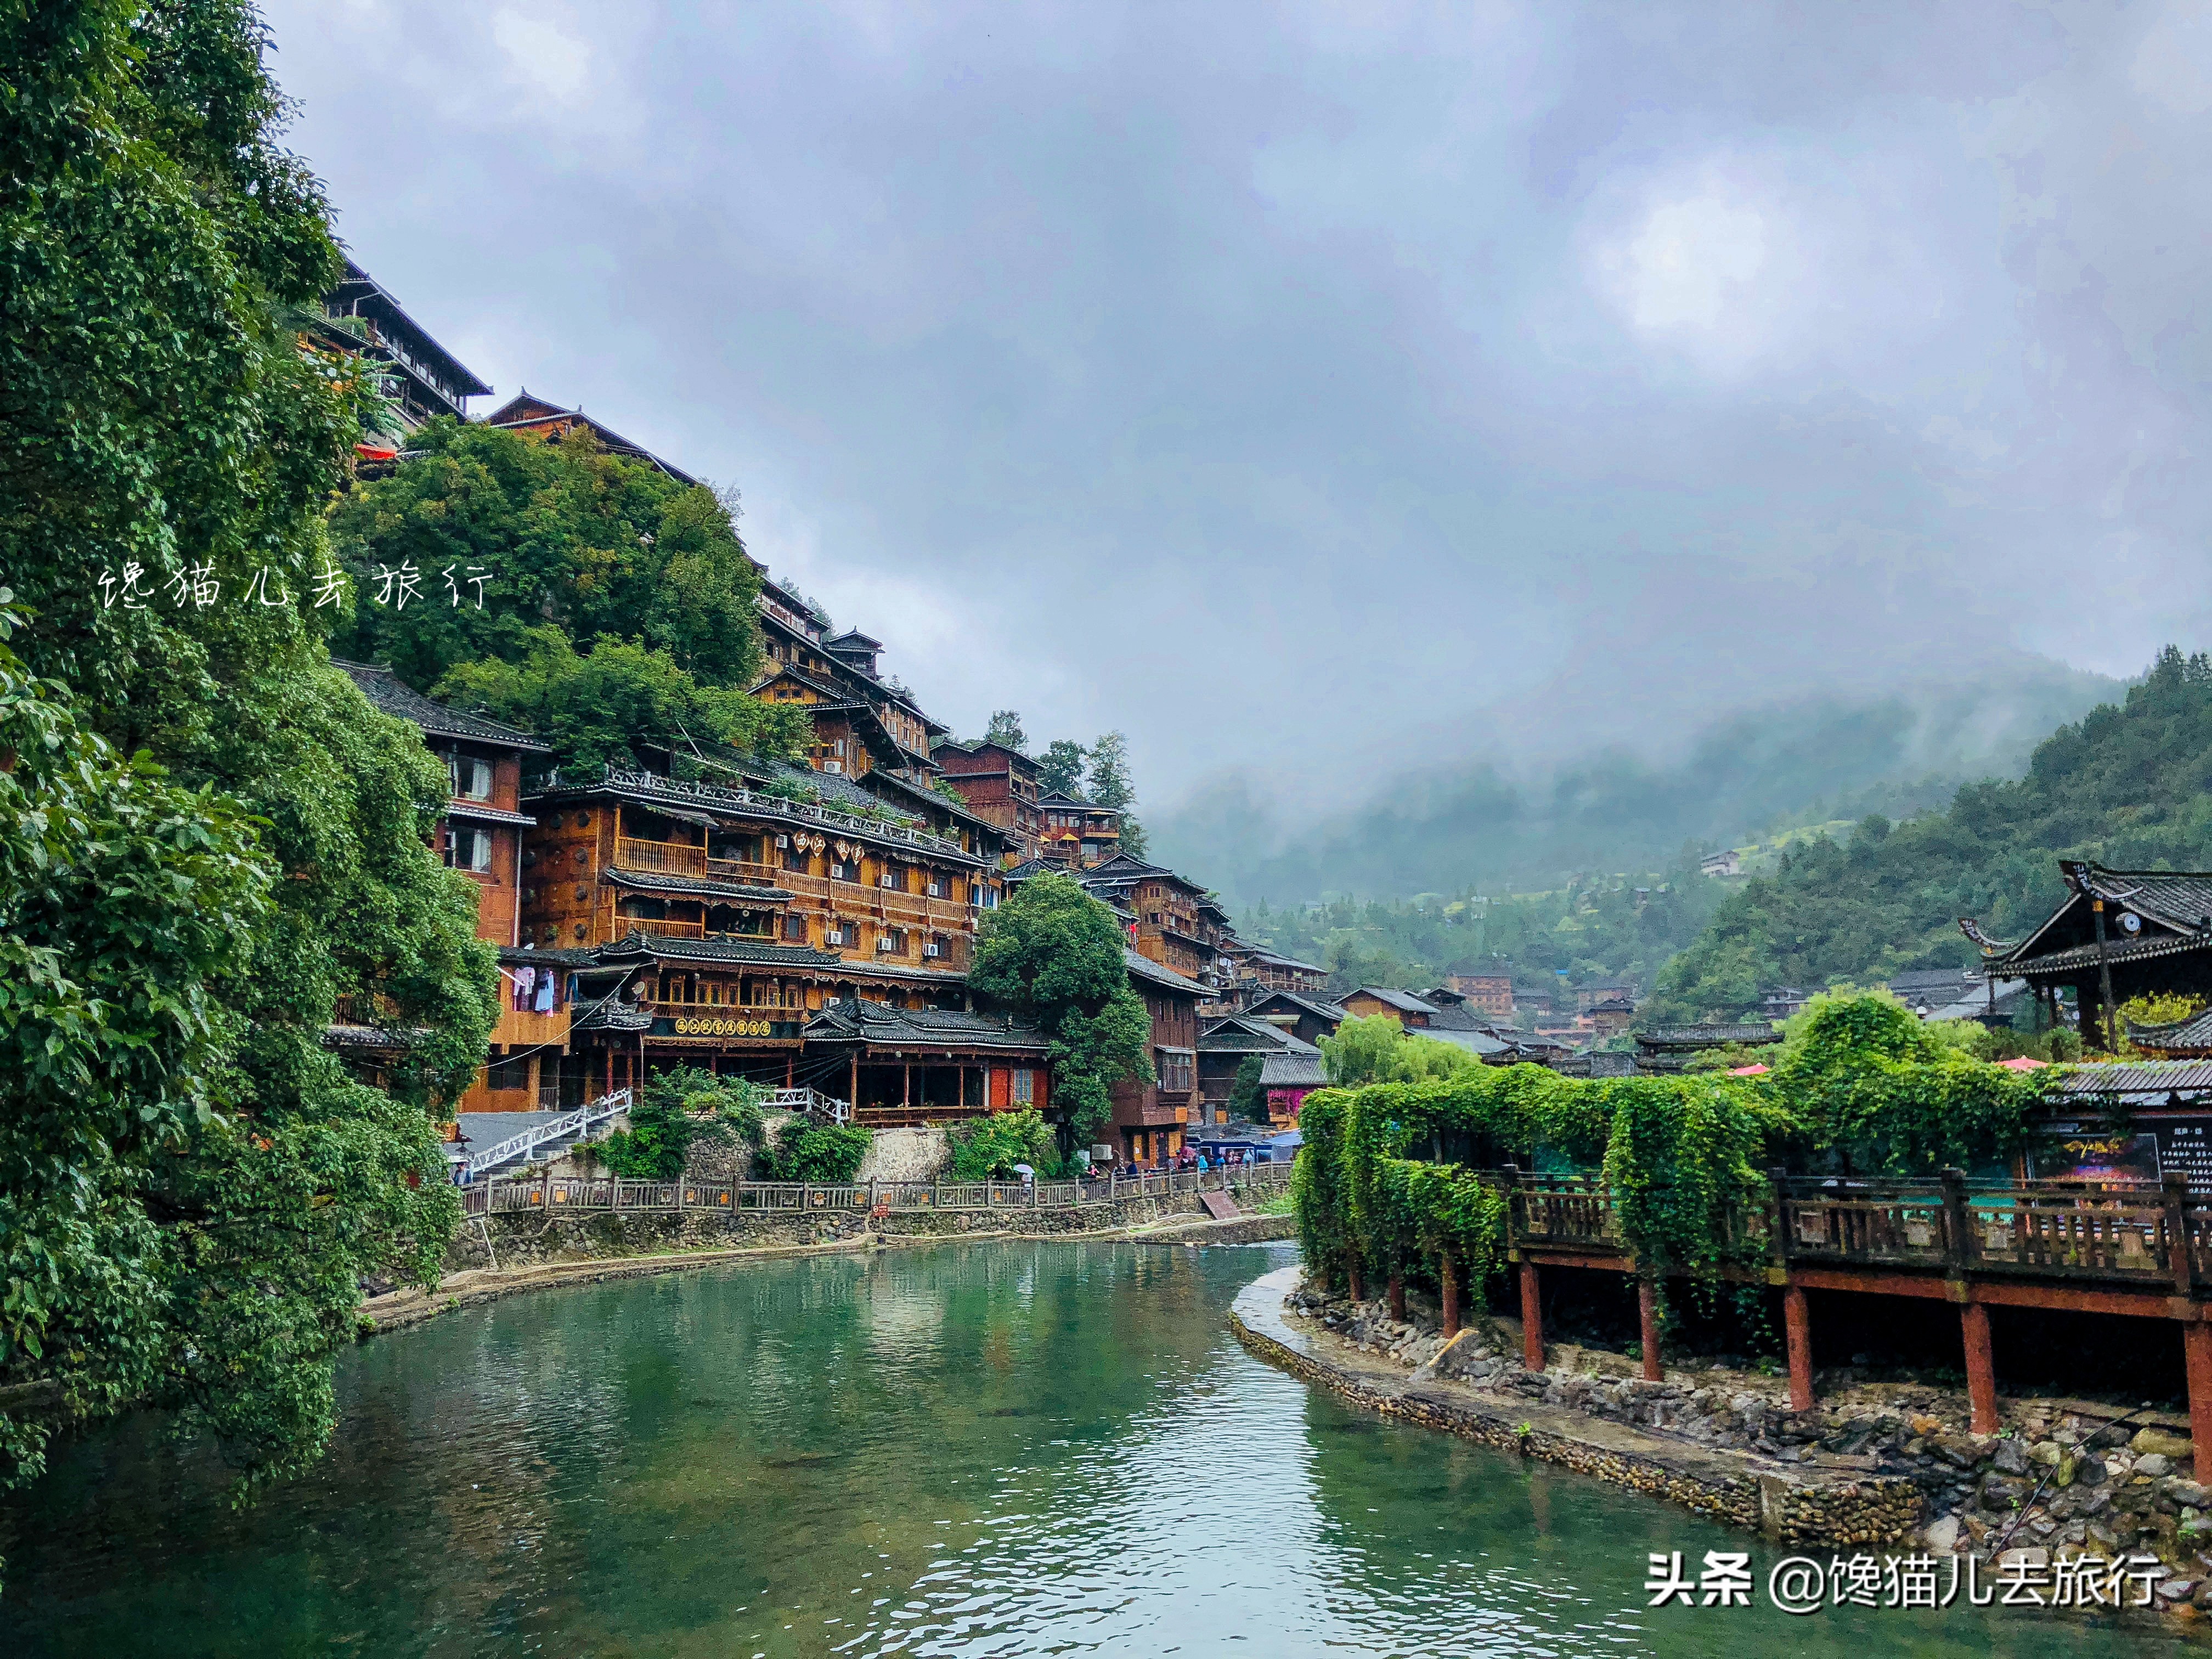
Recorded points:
833,766
783,842
933,950
883,946
883,881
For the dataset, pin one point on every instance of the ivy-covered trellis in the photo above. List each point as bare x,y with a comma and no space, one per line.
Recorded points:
1400,1179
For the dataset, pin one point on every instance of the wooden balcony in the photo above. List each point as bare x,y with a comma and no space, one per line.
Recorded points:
523,1027
665,928
669,857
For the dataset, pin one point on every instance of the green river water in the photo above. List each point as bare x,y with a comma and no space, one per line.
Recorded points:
973,1449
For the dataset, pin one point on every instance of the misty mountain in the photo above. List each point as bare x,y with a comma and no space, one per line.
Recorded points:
1477,824
2131,786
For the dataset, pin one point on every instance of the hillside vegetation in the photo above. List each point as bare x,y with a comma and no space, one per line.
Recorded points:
2130,785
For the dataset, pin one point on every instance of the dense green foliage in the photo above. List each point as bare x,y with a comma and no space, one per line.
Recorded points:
1059,769
1388,1179
988,1148
1247,1098
2131,786
193,1187
807,1150
1053,955
1378,1049
675,1111
617,603
1006,730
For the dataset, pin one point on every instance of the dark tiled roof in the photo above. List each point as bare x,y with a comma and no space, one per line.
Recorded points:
653,947
1237,1035
1146,968
2083,956
1707,1036
1294,1068
2192,1035
610,439
648,882
519,956
1329,1011
1476,1042
386,690
473,812
2156,1077
880,1025
1404,1001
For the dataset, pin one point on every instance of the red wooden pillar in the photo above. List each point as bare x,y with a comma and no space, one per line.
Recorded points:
854,1086
1447,1278
1981,1369
1647,1315
2197,1349
1798,1333
1532,1319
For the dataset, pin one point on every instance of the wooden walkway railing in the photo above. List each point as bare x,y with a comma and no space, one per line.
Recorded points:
2114,1233
552,1194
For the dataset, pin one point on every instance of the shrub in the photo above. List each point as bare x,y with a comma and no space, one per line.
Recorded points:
675,1111
987,1148
813,1151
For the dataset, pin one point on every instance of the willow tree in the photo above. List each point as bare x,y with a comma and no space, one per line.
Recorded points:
210,836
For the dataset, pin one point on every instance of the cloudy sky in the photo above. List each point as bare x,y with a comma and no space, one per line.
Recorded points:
1326,390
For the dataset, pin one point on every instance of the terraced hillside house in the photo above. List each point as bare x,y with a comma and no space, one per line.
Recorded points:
1000,784
1270,971
1150,1119
1308,1018
1402,1007
480,835
549,421
915,1066
864,721
1074,835
1225,1045
735,911
1169,919
363,317
1490,991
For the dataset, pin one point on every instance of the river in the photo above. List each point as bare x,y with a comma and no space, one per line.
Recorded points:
972,1449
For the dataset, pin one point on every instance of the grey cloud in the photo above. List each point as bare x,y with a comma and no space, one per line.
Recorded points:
1552,376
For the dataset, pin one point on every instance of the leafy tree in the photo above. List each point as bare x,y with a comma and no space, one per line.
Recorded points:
1054,954
1059,769
1377,1049
1006,730
987,1148
1109,784
1247,1099
564,534
599,709
192,1187
675,1111
814,1151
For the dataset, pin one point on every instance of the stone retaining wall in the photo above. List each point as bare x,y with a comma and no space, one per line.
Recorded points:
1879,1464
524,1238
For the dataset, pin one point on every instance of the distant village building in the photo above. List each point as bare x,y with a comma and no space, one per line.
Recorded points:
1726,862
1150,1119
1308,1018
1402,1007
1612,1017
1490,991
1781,1002
1225,1045
1587,997
1271,972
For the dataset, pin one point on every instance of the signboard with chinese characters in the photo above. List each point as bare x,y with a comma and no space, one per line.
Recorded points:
2185,1147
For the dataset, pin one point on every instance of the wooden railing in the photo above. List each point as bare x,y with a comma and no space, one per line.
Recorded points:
674,858
552,1194
2127,1232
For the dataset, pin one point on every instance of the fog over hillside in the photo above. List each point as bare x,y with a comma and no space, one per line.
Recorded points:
1526,822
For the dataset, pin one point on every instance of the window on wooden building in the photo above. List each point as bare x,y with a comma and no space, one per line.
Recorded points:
468,847
1024,1087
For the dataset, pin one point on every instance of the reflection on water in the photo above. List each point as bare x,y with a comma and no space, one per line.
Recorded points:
979,1449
